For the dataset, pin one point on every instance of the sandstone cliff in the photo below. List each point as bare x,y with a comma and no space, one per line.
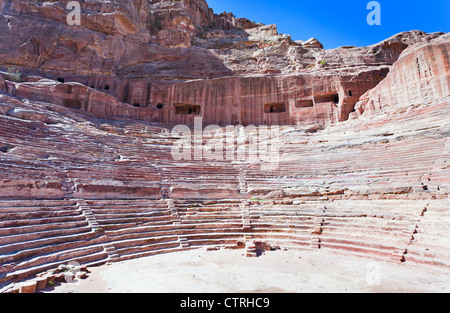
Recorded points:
147,54
421,76
86,113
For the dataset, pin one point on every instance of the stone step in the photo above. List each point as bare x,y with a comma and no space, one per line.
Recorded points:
381,252
88,259
40,221
214,242
23,230
145,248
56,244
140,254
32,236
38,215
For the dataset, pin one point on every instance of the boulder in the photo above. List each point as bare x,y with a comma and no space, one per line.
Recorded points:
312,43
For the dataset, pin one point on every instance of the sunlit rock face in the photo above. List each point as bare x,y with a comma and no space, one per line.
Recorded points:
419,77
359,162
156,54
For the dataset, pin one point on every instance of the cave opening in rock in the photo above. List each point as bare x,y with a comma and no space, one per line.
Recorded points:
350,93
137,105
336,98
106,87
278,107
159,106
61,80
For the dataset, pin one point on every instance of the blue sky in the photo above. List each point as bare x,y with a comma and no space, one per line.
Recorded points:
338,23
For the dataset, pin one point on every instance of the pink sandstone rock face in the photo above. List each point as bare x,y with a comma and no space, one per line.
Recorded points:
87,171
419,77
146,60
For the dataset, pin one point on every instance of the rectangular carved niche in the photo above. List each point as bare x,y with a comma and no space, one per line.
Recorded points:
73,104
277,107
187,109
330,97
304,103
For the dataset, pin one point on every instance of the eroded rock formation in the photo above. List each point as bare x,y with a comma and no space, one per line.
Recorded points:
147,53
86,165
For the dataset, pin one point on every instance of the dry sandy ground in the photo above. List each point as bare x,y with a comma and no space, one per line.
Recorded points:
227,271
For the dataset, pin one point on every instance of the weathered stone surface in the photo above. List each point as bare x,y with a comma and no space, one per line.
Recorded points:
86,165
41,283
420,77
28,287
189,42
312,43
80,275
60,277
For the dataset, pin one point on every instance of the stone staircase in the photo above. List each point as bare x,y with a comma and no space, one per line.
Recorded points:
112,252
250,247
68,188
243,189
399,253
317,231
89,215
246,218
183,242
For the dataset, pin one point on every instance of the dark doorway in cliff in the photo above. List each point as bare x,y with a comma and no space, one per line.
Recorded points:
336,98
73,104
106,87
187,109
278,107
350,93
159,106
137,105
61,80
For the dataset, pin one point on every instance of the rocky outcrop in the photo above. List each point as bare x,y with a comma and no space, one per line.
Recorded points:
420,77
149,54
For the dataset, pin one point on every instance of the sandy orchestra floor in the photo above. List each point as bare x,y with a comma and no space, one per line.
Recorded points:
227,271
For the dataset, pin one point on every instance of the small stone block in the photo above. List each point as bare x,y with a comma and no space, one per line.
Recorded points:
81,275
60,278
50,278
68,277
28,287
41,283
